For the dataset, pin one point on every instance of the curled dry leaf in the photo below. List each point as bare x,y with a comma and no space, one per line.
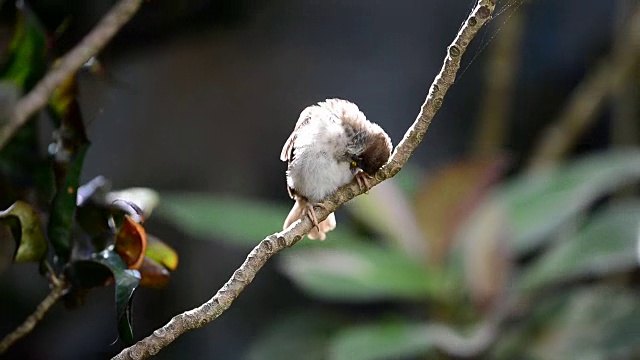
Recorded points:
26,229
153,274
131,243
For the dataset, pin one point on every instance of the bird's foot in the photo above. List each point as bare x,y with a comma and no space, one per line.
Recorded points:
363,181
312,214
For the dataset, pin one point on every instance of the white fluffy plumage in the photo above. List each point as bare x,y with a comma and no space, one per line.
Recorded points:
320,154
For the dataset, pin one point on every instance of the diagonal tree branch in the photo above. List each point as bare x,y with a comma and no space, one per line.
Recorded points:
92,44
274,243
30,323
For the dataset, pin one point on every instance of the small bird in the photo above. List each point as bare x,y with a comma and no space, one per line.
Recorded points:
332,143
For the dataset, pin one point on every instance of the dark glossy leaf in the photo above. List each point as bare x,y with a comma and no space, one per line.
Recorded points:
293,336
67,151
238,221
83,275
126,282
131,243
26,229
538,203
160,252
606,244
95,220
358,271
386,339
153,274
88,274
64,109
63,206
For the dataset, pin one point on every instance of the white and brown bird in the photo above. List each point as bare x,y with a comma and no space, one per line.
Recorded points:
332,143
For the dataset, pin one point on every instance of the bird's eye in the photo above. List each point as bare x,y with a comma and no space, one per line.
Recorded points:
353,163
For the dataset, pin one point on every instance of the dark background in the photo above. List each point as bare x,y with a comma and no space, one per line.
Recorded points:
201,94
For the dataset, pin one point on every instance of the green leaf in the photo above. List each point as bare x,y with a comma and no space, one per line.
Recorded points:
386,339
596,323
359,271
295,334
238,221
63,206
27,231
22,166
409,179
25,64
387,211
606,244
540,202
162,253
126,281
68,151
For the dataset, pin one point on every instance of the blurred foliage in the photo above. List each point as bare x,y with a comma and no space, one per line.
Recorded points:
83,236
549,249
551,252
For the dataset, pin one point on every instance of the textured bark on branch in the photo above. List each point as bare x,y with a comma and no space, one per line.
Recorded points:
90,46
274,243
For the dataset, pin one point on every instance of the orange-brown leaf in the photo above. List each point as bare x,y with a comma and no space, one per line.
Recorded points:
153,274
131,243
446,199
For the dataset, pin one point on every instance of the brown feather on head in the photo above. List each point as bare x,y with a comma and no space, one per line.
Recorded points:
375,154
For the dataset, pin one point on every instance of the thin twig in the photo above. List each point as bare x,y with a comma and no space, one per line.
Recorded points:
588,98
274,243
58,287
91,45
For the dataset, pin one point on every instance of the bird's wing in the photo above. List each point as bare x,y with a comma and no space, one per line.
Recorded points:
335,110
289,145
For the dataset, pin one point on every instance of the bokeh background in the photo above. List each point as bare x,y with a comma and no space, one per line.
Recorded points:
199,96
